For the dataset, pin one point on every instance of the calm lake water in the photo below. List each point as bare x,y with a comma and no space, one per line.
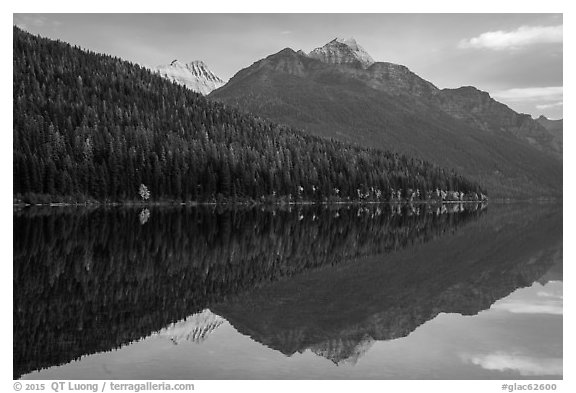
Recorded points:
311,292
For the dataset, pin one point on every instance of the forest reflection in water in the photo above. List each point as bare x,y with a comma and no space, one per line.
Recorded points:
91,280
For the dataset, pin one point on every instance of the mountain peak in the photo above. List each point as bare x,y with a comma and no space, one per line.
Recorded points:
191,65
343,51
195,75
194,328
351,41
286,51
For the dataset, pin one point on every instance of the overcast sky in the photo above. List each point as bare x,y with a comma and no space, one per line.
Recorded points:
517,58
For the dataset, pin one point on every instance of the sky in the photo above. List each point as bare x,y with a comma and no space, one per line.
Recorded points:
517,58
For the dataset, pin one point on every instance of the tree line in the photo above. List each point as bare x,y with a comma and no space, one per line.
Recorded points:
90,125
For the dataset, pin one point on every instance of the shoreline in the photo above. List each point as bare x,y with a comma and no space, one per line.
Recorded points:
280,203
254,203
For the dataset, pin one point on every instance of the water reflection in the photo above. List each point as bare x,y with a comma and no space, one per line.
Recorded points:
195,328
338,314
87,281
539,357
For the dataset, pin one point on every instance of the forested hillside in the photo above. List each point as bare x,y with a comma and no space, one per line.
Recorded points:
89,125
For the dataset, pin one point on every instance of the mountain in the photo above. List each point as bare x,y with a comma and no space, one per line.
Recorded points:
333,94
88,125
194,75
555,128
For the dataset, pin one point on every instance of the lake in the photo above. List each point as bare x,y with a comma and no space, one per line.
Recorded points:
296,292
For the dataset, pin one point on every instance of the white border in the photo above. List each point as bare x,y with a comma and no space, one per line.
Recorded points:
247,6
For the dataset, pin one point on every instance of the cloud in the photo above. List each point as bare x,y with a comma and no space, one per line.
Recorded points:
520,307
521,37
548,106
538,94
553,292
525,365
538,299
286,32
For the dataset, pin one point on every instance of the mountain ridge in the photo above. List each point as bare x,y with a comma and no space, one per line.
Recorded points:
388,106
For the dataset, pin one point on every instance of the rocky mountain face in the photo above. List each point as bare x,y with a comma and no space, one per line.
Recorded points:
194,75
477,108
337,92
467,103
343,51
555,128
398,79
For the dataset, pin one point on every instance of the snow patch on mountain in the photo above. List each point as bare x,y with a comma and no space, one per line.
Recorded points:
195,328
194,75
343,351
343,51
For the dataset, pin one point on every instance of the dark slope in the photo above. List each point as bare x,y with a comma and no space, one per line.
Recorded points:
91,125
387,106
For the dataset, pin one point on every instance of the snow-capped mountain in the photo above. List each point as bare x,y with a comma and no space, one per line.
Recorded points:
195,328
343,350
194,75
343,51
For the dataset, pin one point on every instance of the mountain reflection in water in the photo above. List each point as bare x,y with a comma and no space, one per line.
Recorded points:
332,280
